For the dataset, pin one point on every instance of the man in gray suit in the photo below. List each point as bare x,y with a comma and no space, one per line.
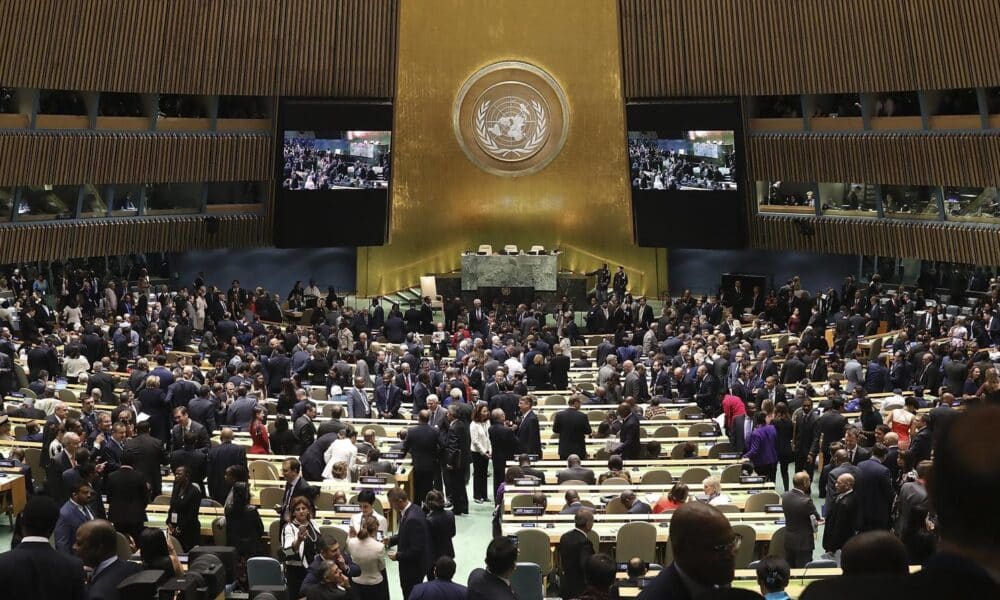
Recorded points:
240,412
800,520
435,414
358,405
573,471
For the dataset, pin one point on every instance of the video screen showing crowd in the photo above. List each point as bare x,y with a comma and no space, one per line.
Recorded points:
683,160
336,160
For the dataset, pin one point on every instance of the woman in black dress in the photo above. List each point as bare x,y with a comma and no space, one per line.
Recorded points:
185,502
442,525
783,425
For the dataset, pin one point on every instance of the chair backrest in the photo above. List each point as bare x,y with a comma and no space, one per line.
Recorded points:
27,393
67,395
746,552
695,475
777,545
176,545
537,249
678,450
596,416
588,504
510,249
553,401
586,386
665,431
756,502
615,507
520,501
728,508
377,428
210,503
821,564
573,483
485,249
691,410
317,392
219,531
264,570
162,499
262,469
274,536
636,539
122,548
526,582
595,540
331,533
428,286
700,428
731,474
533,546
719,448
616,481
602,454
269,496
22,379
324,501
657,477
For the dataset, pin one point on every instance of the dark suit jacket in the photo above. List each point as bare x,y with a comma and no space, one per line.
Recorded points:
127,497
195,460
576,473
202,410
841,521
312,457
507,402
573,427
388,399
220,458
35,570
666,586
575,550
830,426
441,526
798,509
185,503
147,456
177,436
559,371
104,586
423,444
413,545
70,518
438,589
103,382
529,439
484,585
874,491
628,436
503,440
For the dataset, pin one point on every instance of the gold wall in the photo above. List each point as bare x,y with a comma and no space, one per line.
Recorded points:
442,204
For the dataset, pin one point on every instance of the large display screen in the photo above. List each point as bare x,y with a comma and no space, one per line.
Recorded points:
336,160
683,160
686,173
334,173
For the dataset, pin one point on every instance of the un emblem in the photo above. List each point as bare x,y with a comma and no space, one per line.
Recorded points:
511,118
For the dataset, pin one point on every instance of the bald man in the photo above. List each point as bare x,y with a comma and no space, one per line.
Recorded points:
97,546
705,550
800,518
841,515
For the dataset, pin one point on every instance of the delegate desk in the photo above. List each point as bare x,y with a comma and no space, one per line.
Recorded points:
156,516
638,468
500,270
12,482
600,494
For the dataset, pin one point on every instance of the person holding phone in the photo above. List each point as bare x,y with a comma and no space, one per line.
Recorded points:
366,499
299,540
369,554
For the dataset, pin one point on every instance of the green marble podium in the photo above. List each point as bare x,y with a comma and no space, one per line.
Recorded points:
515,271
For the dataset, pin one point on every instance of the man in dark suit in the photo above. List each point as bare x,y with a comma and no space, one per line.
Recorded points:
276,367
875,493
202,409
800,518
240,412
573,428
304,428
97,546
739,431
529,440
422,444
457,459
295,486
75,512
922,440
102,381
575,549
928,375
128,495
220,458
388,397
629,445
507,401
312,459
34,569
491,583
704,549
707,391
185,424
146,455
842,515
794,369
441,587
413,543
574,471
503,441
634,505
479,321
182,390
855,453
394,329
830,427
358,406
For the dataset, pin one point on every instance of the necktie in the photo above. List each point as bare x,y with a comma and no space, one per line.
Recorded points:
86,513
288,496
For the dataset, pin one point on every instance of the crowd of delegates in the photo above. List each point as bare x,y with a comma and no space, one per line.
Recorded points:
307,168
473,411
656,169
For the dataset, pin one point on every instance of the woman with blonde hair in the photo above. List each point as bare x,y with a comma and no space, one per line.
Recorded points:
989,392
369,554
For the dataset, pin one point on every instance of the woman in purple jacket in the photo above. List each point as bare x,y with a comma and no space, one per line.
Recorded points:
762,447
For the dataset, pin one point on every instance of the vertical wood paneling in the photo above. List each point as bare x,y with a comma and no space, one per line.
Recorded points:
251,47
53,158
758,47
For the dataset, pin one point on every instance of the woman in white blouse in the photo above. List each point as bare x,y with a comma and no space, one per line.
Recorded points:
369,553
479,431
75,364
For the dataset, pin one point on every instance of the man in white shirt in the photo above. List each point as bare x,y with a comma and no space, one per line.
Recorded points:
343,449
